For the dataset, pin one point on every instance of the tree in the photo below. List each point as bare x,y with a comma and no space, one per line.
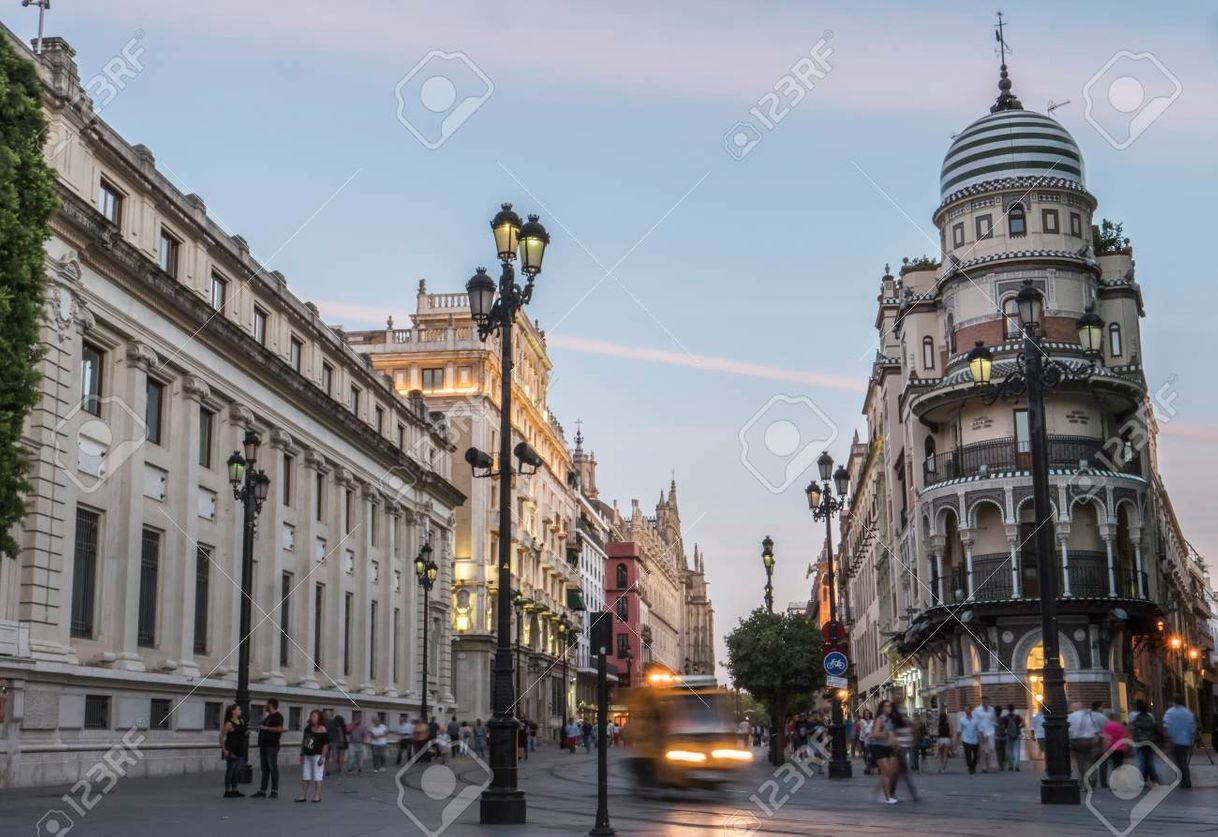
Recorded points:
1111,237
27,200
777,658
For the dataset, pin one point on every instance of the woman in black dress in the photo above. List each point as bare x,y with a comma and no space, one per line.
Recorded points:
232,748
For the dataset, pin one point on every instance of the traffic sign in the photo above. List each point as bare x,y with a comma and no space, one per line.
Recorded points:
836,663
833,632
836,682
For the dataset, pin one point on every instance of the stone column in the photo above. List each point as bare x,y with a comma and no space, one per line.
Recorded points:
270,560
337,581
967,538
1135,535
195,391
366,588
1108,533
307,573
936,547
1063,535
1012,532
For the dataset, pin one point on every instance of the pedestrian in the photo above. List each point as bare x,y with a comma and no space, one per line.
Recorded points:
904,732
585,730
987,728
336,729
533,735
1038,731
1013,728
756,735
917,732
743,736
1116,740
969,733
479,738
864,739
944,740
1145,731
419,746
232,749
522,739
571,735
882,744
269,733
1084,739
314,750
453,730
405,738
378,733
1180,728
1000,739
467,735
357,742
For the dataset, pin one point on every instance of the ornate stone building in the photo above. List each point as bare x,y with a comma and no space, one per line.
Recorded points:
943,580
459,375
166,341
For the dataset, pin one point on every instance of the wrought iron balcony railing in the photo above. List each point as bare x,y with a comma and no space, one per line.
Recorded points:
1010,454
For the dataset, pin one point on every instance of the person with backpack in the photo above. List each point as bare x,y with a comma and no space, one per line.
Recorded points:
1145,730
1013,728
1180,727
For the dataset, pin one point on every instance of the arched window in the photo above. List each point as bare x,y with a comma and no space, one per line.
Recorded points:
928,353
621,577
930,454
1017,221
623,609
1114,339
1010,317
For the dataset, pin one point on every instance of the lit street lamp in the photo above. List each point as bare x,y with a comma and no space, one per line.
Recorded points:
767,558
502,803
250,488
823,506
518,604
1033,374
426,571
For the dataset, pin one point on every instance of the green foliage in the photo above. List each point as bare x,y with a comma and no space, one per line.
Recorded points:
1111,237
920,263
776,656
27,199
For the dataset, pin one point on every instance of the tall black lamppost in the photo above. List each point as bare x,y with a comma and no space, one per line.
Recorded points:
250,488
767,558
518,604
565,636
824,505
1033,374
426,570
502,803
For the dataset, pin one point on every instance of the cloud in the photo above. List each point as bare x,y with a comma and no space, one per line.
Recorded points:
709,363
1194,432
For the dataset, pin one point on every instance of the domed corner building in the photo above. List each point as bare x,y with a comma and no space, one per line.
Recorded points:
942,589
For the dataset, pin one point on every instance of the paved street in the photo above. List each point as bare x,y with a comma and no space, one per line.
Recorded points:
562,797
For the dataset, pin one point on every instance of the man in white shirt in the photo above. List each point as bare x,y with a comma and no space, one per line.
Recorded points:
1038,732
380,738
405,738
987,726
1084,738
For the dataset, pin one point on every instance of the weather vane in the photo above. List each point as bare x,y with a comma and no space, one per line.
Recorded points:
1000,36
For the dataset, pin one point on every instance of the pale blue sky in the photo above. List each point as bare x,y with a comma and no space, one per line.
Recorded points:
610,122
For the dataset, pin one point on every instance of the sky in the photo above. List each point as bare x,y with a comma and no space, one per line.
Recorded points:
706,282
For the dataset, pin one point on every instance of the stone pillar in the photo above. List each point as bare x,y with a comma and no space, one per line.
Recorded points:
195,391
1135,535
366,588
967,538
305,578
270,560
1012,532
1063,535
1108,533
936,547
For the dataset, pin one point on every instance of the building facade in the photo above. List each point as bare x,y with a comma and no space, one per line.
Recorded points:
590,539
166,342
459,375
939,538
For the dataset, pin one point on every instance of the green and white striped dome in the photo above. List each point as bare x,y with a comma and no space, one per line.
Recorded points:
1010,142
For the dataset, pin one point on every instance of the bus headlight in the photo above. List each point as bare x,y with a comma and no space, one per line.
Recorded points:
731,755
687,756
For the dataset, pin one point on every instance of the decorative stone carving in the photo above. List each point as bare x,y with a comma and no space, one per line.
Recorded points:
344,477
141,356
195,388
280,439
314,460
241,415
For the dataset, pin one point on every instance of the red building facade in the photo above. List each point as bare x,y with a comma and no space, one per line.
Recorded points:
623,599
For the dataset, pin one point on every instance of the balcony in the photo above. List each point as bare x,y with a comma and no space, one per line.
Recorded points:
1007,454
1088,580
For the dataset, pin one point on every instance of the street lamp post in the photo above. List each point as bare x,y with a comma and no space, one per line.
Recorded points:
767,558
426,570
564,642
502,803
518,603
250,488
823,506
1033,374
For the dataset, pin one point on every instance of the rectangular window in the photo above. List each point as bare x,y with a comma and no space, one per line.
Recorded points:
1023,435
285,617
319,496
401,437
348,601
294,718
433,378
1076,225
380,421
295,353
213,714
153,408
207,423
1049,221
260,325
84,572
394,640
465,375
110,202
286,480
159,712
219,292
150,566
957,235
353,399
373,528
985,227
319,598
348,511
202,596
170,245
97,712
372,642
327,379
91,379
623,645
